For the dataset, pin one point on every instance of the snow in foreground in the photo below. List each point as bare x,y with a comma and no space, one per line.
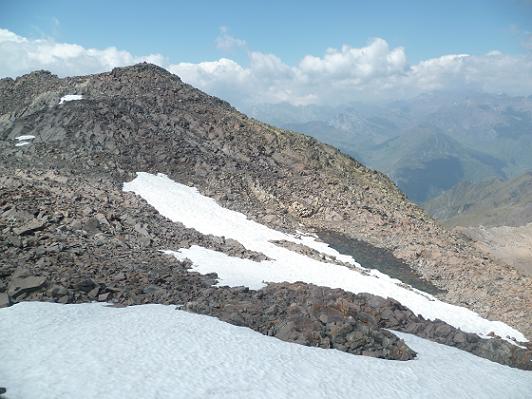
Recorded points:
154,351
184,204
70,97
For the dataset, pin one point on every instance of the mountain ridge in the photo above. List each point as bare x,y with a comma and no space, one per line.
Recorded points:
143,118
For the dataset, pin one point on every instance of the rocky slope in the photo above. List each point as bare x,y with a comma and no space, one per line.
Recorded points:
73,239
70,234
508,244
495,214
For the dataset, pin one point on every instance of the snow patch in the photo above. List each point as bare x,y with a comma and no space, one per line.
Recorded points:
22,143
70,97
236,272
154,351
25,137
181,203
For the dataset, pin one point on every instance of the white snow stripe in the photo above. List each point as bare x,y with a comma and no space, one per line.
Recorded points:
185,204
25,137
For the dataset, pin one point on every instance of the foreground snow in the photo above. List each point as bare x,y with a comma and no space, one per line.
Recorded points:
154,351
70,97
184,204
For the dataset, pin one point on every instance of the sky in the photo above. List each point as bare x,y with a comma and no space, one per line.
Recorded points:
311,52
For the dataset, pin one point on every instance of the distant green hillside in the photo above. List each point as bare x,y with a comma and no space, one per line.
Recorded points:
427,162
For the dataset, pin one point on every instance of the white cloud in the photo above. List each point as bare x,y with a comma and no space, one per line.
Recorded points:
374,60
371,72
20,55
225,41
7,36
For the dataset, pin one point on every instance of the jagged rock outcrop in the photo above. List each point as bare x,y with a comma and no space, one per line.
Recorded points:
354,323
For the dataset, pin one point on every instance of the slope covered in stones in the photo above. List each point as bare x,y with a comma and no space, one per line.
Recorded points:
143,118
76,239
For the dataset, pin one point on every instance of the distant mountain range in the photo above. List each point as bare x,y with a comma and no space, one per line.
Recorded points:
428,144
490,203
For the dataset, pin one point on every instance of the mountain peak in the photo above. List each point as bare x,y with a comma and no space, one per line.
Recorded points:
35,76
144,69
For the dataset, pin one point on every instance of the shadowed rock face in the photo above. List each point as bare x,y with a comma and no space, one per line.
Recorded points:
64,218
377,258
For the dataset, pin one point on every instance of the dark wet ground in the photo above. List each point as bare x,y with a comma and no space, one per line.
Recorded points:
372,257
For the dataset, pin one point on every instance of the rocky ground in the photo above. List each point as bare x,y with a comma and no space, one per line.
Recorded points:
508,244
69,234
333,318
495,214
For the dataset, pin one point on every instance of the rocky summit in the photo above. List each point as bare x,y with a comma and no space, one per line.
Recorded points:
70,234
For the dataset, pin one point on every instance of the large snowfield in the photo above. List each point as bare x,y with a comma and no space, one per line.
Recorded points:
181,203
155,351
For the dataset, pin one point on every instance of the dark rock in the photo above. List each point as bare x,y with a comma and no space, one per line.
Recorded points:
104,297
443,330
92,294
23,282
459,338
304,314
33,225
58,291
119,276
332,318
4,300
86,285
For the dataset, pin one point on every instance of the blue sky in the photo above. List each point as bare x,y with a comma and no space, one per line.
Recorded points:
186,30
300,52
